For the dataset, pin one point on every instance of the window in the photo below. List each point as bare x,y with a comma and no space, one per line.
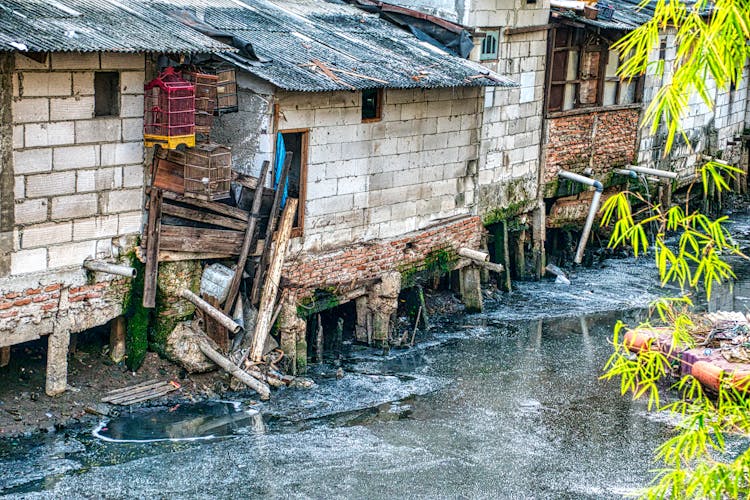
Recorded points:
489,45
372,105
583,73
107,93
295,143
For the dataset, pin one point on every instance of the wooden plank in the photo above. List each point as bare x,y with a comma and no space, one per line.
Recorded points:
151,270
271,285
219,208
177,256
136,386
243,180
152,394
270,228
247,241
528,29
213,328
170,176
4,356
196,239
204,217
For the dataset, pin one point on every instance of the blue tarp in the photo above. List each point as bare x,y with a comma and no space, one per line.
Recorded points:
280,157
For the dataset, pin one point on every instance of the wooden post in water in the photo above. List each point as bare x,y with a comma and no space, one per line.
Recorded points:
117,339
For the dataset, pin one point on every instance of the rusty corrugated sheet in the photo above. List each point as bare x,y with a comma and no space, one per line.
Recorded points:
362,50
95,25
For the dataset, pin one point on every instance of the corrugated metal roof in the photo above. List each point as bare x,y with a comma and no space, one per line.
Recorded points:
95,25
627,16
362,50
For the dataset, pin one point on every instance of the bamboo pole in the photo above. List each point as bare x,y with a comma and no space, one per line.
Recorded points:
258,386
207,308
271,284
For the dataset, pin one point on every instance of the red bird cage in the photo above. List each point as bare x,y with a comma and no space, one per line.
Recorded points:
169,111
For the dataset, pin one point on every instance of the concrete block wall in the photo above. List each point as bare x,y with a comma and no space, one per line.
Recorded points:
78,178
379,180
512,118
708,129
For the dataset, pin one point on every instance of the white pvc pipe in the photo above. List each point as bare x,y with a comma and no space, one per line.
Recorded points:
653,171
592,210
106,267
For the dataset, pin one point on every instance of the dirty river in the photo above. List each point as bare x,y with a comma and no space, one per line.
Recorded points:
504,404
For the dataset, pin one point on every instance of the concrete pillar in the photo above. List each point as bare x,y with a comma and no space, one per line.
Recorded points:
292,328
383,303
57,362
538,237
362,331
471,288
117,339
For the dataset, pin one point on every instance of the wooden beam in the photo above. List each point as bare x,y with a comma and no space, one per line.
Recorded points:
234,285
210,310
117,339
177,256
527,29
204,217
270,228
229,367
200,240
219,208
151,270
271,284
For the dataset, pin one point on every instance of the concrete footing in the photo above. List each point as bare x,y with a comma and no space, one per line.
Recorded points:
57,362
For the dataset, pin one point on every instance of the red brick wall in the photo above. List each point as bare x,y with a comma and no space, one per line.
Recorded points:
366,261
571,141
80,306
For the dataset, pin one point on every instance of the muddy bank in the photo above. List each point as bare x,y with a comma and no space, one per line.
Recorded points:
26,409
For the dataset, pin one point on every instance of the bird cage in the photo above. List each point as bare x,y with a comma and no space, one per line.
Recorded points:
226,90
205,102
169,111
208,171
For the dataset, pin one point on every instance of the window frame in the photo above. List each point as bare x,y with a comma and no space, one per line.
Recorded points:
380,94
576,44
495,33
299,229
116,105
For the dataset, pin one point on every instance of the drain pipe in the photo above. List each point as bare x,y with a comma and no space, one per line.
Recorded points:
106,267
652,171
624,171
592,210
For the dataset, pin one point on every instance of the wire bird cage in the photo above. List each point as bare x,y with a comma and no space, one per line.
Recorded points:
169,111
205,102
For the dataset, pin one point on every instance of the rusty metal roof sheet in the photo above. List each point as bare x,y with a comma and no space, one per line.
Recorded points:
626,16
95,25
359,49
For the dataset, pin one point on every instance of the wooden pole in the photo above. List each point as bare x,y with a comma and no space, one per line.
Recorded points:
271,285
207,308
152,249
4,356
234,286
229,367
319,341
270,228
117,339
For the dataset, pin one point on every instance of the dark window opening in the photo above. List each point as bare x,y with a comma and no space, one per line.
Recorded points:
372,104
107,93
296,145
489,45
583,73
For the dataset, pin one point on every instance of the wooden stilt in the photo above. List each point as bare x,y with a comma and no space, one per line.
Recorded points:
506,256
319,341
117,339
4,356
152,249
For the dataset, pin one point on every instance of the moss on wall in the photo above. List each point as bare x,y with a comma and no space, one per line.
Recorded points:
138,318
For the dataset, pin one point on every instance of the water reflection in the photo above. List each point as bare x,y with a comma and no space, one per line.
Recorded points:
190,422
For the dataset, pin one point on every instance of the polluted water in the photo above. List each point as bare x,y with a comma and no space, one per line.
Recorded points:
503,404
